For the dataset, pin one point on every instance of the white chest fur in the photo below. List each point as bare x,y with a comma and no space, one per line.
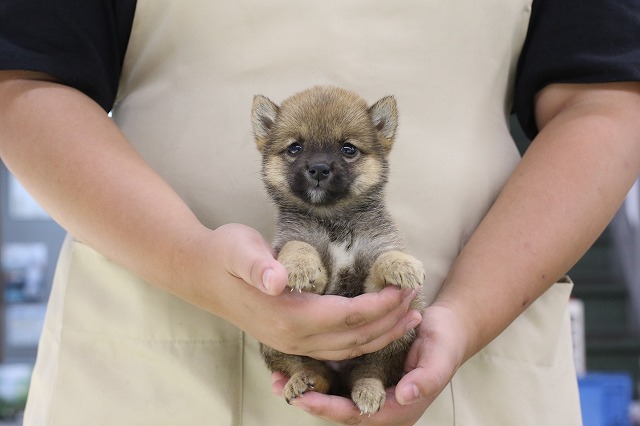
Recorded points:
342,257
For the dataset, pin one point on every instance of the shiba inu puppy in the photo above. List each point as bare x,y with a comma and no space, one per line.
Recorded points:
324,164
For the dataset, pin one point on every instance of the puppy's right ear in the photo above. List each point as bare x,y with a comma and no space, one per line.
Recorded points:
263,116
384,115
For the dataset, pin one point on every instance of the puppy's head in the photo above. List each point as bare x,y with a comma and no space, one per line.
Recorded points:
324,147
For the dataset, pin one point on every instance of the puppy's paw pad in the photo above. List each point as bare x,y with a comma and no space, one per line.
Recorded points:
368,395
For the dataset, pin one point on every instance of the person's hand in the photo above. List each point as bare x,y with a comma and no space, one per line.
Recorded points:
244,284
432,361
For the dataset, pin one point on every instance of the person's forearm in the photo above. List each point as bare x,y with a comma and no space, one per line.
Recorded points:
559,199
72,157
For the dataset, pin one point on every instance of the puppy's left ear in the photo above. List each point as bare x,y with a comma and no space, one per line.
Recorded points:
263,117
384,115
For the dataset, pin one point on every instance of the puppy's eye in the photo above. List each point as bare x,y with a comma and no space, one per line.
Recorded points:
349,150
294,148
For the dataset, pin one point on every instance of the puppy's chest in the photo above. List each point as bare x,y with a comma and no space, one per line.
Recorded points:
348,263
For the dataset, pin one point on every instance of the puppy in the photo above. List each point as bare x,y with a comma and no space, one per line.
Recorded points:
324,165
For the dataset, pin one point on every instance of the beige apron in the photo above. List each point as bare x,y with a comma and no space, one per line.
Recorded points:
116,351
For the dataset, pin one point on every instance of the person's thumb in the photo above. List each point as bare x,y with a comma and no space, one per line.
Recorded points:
268,275
434,357
250,258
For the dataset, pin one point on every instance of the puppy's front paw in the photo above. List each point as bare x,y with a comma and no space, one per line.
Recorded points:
304,381
397,268
368,395
305,269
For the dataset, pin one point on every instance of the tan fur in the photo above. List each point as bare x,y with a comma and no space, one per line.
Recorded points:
395,267
305,268
369,393
324,163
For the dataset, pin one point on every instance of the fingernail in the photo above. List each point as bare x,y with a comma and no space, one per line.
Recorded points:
266,280
410,393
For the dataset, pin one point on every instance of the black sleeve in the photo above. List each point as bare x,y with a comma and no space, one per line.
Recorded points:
80,42
576,41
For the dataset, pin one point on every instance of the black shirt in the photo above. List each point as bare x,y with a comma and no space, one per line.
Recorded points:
576,41
83,42
80,42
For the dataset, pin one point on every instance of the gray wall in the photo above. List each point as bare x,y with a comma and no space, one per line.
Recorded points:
27,231
20,322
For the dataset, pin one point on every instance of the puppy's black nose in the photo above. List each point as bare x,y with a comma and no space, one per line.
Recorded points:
319,171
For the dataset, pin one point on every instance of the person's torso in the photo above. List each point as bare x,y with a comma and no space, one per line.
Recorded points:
191,71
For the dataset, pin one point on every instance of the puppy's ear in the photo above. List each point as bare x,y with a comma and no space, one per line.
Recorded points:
384,115
263,116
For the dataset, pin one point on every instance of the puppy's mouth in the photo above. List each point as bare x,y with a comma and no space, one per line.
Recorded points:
317,195
321,193
317,191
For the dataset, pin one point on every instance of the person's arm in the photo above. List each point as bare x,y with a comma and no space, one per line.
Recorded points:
71,156
562,195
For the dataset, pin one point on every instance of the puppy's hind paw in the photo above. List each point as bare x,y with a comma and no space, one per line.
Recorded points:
368,395
302,382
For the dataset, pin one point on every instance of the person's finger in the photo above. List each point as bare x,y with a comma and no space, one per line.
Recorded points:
329,407
342,410
321,336
278,380
424,383
369,338
434,358
353,313
269,276
250,258
409,321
